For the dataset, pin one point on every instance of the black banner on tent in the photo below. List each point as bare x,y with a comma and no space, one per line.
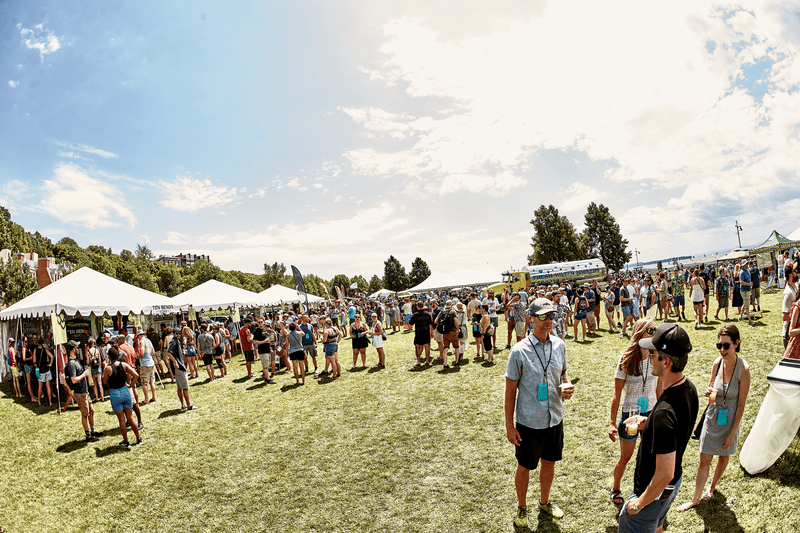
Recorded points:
299,285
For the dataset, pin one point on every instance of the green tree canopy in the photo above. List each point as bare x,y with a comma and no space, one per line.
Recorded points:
419,272
342,281
602,238
394,275
144,252
375,284
362,284
16,282
554,239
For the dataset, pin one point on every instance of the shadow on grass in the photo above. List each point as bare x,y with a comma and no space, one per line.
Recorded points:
287,388
168,413
374,369
488,364
259,385
717,516
357,369
242,379
69,447
449,370
110,450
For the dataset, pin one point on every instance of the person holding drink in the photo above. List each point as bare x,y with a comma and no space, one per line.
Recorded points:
536,382
642,390
727,394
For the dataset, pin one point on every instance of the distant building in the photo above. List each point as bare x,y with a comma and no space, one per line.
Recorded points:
44,269
184,260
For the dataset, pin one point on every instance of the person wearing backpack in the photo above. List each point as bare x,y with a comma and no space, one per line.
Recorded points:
447,325
581,315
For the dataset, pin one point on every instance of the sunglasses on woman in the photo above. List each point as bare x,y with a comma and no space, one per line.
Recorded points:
723,345
651,331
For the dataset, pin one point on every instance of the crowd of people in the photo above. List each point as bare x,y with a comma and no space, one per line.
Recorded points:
651,399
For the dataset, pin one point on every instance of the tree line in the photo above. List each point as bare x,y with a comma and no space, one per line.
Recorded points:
139,268
555,239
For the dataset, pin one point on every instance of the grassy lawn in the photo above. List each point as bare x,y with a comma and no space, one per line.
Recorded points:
388,450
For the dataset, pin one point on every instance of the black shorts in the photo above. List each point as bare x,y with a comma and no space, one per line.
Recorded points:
538,444
208,359
249,356
297,356
219,361
421,340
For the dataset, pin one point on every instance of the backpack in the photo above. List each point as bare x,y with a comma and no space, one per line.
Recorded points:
446,322
583,303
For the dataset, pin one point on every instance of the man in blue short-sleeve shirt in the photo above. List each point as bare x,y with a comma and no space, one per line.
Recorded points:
537,367
745,286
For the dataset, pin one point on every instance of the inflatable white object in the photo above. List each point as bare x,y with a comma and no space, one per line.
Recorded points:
778,419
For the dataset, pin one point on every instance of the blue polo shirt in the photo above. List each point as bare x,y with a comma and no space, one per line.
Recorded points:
527,361
744,275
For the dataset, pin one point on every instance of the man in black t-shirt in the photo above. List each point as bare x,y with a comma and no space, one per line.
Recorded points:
422,320
665,433
76,380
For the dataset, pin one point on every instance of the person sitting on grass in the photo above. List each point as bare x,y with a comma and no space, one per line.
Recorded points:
175,354
76,379
115,375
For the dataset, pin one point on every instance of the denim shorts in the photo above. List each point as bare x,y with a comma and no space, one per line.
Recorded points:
330,349
626,311
622,431
120,399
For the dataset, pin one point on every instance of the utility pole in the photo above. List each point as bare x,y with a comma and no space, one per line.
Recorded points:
637,257
738,229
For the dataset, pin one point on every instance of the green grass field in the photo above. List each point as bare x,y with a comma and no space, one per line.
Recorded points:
388,450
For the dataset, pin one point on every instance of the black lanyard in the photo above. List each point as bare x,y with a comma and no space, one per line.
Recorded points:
644,377
726,387
544,367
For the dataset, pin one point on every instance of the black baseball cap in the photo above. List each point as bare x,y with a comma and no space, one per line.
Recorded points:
670,339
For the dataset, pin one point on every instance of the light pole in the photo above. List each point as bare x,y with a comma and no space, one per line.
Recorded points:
738,229
637,257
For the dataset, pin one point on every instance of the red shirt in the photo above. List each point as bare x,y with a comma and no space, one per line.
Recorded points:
246,338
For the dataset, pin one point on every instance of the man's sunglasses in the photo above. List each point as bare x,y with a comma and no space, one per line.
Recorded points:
723,345
545,318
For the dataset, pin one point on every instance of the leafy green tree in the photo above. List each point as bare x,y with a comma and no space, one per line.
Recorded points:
362,283
555,239
144,252
394,275
419,272
602,238
340,280
274,274
202,271
375,284
313,286
16,282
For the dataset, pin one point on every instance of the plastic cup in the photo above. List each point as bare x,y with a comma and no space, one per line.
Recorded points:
712,397
632,428
566,386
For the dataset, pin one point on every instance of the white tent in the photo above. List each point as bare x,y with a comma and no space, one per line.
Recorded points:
459,278
86,291
214,294
380,293
278,294
795,235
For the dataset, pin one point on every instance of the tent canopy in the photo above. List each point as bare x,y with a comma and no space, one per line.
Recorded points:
278,294
380,293
734,255
775,241
214,294
459,278
86,291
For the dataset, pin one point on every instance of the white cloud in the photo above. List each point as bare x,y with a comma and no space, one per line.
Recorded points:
173,237
144,238
83,148
294,183
45,41
191,194
73,196
12,83
578,197
15,194
655,102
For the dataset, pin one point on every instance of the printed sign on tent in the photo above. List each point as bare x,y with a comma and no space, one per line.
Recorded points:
59,323
192,314
236,318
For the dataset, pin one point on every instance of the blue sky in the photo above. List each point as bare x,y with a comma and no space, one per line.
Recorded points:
330,135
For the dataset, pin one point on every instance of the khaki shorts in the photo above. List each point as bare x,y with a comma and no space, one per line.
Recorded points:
265,359
146,376
519,328
756,293
84,404
746,299
438,337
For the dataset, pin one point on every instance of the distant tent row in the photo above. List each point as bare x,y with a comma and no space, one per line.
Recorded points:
459,278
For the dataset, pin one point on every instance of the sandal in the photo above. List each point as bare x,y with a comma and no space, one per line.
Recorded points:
616,497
